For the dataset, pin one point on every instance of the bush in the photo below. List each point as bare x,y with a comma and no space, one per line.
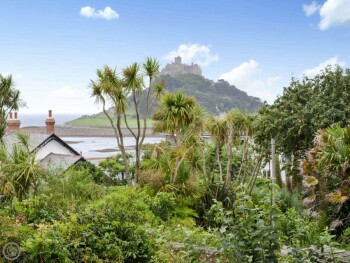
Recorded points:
163,205
299,230
250,235
61,193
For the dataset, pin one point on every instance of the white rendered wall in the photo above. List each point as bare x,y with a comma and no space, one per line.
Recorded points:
51,147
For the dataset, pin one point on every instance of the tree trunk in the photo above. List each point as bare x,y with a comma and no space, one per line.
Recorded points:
228,167
122,148
219,163
296,175
288,175
255,175
279,180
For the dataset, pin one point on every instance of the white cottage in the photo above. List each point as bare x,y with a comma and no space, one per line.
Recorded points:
51,151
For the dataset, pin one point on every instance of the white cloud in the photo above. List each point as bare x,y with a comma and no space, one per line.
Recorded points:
108,13
68,100
248,76
312,72
65,93
273,80
193,53
311,8
333,13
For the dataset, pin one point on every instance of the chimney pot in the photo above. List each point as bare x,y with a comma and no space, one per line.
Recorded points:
50,123
13,124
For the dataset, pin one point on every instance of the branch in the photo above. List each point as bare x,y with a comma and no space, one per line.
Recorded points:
127,125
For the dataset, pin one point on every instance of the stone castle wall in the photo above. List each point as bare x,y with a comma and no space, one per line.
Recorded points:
177,68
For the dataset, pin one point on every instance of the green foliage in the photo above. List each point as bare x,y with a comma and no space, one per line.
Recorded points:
327,173
251,236
299,229
302,255
163,205
20,172
90,169
9,100
57,196
212,95
174,114
306,106
114,169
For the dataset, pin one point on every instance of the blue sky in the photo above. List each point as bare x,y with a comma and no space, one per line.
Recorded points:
53,48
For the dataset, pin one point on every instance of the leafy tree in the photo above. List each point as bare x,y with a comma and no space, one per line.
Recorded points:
306,106
108,89
9,100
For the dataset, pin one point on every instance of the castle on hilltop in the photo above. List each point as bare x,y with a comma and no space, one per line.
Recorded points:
177,68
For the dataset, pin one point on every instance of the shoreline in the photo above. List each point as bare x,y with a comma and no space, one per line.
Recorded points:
88,131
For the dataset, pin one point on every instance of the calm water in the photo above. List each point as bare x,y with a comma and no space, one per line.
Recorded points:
91,147
39,119
100,147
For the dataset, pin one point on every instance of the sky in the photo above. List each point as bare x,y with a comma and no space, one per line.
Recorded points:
53,48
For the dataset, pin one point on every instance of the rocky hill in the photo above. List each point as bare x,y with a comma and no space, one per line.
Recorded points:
216,97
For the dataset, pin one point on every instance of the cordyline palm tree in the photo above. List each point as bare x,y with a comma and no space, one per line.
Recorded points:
244,127
180,116
219,130
175,114
133,80
9,100
226,132
108,90
237,125
327,169
19,170
111,90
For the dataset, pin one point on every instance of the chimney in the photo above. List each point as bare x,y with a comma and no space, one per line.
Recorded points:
50,123
13,124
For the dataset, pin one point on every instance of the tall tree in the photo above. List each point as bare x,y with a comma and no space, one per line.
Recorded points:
175,114
108,90
111,90
306,106
220,135
134,82
181,117
9,100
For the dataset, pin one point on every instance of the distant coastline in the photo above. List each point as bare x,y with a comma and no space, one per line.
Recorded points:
28,120
66,131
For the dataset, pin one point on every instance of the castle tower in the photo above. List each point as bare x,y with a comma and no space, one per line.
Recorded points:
178,60
177,68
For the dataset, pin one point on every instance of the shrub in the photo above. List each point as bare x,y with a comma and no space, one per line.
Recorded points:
163,205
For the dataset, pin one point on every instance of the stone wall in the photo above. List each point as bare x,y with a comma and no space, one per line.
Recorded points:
177,68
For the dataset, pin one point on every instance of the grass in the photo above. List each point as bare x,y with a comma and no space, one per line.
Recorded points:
102,121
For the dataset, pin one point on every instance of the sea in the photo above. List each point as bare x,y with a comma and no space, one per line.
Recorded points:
39,119
90,147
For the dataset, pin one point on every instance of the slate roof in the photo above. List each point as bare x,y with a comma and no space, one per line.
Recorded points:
36,141
56,162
